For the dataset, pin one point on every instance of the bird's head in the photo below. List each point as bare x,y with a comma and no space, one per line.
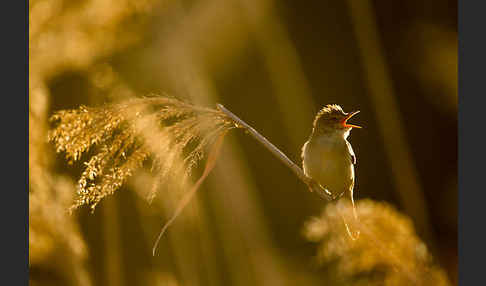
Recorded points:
332,119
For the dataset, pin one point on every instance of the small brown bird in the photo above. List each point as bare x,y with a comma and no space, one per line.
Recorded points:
327,157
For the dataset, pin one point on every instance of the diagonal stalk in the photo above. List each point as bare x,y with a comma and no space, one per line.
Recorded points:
313,186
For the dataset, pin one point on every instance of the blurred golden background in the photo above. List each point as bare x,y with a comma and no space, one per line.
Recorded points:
274,64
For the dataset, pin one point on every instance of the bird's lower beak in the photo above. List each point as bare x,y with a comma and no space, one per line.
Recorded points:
344,122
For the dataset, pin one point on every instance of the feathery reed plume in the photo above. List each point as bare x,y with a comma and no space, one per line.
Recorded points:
388,251
170,132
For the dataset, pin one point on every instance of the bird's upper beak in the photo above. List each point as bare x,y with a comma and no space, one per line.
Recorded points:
348,116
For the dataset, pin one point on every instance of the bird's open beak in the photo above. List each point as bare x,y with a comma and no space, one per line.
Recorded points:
344,122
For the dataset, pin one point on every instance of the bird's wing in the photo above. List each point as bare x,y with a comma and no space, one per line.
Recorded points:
351,153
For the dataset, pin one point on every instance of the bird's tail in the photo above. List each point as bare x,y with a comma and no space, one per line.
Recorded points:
350,218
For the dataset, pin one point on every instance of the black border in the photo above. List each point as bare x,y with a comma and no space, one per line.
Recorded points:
14,130
472,142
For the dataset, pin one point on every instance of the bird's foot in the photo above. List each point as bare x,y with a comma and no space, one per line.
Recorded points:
312,184
315,186
337,196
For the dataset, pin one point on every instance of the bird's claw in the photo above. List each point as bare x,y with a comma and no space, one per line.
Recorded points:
335,197
312,184
315,186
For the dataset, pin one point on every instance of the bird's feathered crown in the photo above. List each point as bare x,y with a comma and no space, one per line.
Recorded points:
327,112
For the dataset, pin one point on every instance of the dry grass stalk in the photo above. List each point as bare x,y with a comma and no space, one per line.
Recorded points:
173,133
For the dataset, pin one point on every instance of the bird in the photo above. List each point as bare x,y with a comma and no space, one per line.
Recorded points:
328,158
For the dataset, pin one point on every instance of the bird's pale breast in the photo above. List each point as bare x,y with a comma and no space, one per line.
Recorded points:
329,162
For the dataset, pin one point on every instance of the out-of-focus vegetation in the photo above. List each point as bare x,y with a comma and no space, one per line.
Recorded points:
274,63
388,251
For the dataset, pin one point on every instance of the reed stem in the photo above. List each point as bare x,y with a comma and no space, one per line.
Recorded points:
312,184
